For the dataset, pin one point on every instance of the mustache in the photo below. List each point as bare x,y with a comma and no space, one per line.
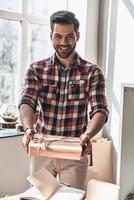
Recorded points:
64,45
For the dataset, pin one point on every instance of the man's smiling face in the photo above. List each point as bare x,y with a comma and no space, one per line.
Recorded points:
64,39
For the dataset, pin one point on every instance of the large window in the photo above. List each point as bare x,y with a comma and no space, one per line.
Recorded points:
24,38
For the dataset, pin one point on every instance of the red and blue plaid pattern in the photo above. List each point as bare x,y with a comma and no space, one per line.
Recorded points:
64,95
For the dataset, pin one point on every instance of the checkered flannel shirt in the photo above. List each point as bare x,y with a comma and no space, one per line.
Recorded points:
64,95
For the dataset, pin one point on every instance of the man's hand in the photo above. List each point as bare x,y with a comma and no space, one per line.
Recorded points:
86,143
27,137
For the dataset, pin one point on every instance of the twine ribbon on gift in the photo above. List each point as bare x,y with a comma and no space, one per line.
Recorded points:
44,141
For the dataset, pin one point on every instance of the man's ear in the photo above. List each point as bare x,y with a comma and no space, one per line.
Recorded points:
78,35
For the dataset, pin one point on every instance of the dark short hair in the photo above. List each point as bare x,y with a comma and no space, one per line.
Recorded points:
64,17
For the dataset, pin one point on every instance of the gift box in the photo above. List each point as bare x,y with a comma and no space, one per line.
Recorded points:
56,146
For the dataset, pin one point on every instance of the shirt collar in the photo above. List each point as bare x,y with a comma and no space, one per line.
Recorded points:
75,64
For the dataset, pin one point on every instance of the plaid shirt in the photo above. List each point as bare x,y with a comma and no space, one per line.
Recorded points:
64,95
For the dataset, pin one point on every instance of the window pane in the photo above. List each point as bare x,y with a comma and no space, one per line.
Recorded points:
11,5
45,7
8,61
39,43
39,7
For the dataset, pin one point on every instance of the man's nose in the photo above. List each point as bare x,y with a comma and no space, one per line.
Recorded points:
64,40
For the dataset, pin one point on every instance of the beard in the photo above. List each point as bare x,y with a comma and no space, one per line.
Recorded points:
64,51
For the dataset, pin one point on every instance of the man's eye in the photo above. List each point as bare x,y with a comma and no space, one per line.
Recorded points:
70,36
57,37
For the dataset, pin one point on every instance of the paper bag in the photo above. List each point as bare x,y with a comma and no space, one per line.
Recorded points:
101,161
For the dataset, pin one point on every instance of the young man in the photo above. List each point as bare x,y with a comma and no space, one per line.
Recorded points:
64,85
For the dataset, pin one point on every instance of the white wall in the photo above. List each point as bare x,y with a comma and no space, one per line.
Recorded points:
91,39
87,13
14,166
116,57
120,69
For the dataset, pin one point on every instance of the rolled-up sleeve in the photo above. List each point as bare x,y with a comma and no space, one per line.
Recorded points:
97,96
31,88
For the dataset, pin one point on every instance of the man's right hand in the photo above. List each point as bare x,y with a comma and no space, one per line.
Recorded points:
27,137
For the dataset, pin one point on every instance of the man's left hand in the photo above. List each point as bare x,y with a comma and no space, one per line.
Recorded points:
86,143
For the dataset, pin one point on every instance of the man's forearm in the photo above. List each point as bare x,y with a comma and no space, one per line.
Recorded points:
95,124
26,116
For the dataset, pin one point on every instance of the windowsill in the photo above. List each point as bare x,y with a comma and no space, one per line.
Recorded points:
4,133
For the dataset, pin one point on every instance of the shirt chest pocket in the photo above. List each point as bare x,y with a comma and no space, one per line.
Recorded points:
76,89
48,90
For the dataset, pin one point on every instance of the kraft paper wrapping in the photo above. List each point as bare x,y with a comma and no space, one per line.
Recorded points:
100,190
56,146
